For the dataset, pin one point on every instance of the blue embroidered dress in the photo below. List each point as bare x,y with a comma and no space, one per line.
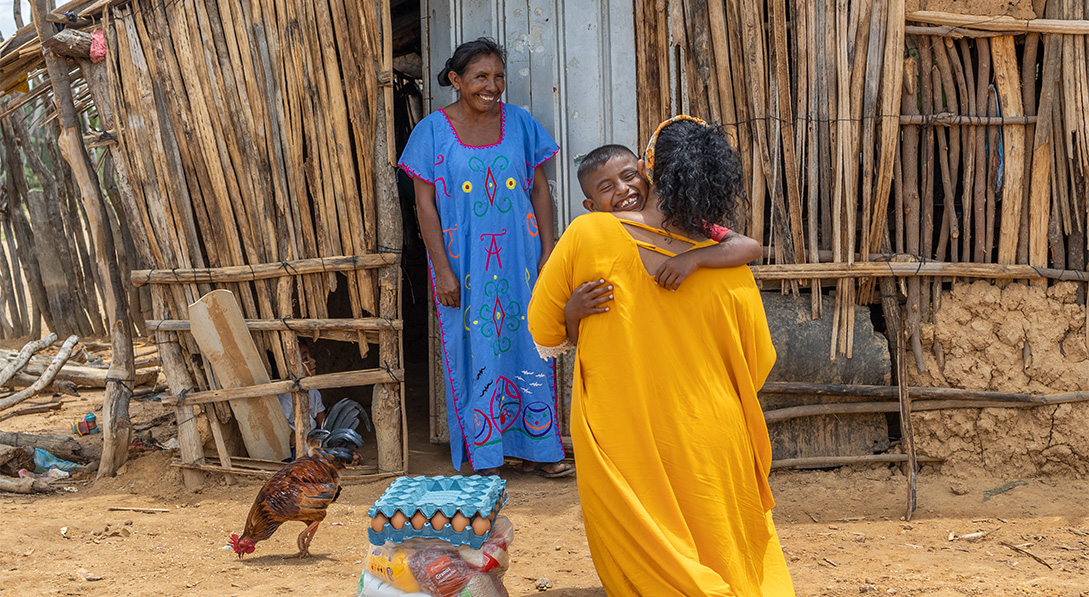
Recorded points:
500,395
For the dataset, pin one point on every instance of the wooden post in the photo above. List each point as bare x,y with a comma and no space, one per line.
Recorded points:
1008,82
181,383
300,399
1040,197
117,429
387,404
907,432
115,408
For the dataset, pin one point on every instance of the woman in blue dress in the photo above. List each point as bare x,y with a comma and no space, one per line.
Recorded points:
486,217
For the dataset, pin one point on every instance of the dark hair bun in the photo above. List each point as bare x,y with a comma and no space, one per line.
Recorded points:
466,53
697,176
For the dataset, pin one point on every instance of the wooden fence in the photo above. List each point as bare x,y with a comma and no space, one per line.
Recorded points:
253,149
868,134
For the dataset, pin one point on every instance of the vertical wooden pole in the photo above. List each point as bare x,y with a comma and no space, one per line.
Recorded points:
181,383
793,215
907,432
290,341
979,189
387,403
117,429
1007,82
909,156
1040,197
814,155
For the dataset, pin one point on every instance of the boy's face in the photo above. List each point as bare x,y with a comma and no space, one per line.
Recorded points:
618,185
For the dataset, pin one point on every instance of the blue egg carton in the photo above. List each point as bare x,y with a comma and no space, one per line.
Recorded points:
473,496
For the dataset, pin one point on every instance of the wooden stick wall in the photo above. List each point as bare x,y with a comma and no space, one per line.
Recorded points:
49,268
248,146
867,133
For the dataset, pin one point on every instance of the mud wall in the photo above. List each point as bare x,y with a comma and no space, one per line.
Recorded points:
1012,338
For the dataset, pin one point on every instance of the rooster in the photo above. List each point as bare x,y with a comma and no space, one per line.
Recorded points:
304,488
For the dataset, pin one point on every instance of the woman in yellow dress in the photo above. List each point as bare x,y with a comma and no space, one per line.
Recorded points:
670,441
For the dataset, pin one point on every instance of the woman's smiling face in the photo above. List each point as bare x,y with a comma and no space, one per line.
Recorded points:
482,83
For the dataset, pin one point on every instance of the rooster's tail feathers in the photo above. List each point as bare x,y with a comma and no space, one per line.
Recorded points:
346,414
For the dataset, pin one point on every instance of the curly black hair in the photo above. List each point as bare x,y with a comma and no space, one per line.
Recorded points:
466,53
697,176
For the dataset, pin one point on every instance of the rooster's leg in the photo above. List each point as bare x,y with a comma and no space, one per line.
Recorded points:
304,540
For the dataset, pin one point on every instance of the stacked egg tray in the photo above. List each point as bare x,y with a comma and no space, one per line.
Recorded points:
459,510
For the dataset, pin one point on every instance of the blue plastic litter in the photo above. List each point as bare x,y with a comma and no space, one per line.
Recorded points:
43,461
471,496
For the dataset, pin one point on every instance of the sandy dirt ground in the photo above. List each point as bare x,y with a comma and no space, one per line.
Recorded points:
842,531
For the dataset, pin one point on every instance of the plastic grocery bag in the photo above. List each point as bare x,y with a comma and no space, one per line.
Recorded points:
372,586
435,568
43,461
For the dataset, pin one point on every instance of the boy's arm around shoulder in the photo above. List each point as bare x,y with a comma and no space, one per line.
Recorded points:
732,251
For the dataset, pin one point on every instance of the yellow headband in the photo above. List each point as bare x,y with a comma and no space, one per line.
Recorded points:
648,155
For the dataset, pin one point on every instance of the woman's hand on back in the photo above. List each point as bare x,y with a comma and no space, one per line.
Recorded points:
447,288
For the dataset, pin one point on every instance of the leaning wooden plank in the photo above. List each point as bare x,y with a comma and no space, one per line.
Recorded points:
45,379
262,271
221,333
23,357
1008,83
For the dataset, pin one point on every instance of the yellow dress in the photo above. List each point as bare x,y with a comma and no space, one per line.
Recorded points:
670,442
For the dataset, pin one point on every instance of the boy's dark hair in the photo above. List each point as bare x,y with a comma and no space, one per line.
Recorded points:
466,53
697,176
598,157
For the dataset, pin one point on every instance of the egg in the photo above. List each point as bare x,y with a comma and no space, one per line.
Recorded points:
481,525
459,522
439,520
378,522
398,519
418,520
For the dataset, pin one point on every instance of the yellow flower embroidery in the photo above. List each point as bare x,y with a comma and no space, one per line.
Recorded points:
511,183
467,187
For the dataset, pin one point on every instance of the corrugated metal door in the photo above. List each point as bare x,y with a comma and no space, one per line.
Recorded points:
571,64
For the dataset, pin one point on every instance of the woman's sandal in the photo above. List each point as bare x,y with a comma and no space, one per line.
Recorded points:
562,469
